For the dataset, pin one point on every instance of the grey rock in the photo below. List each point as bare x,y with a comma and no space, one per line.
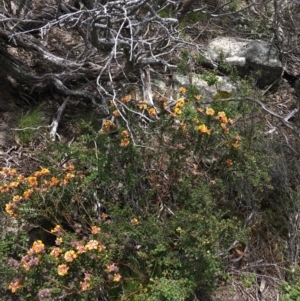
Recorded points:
261,58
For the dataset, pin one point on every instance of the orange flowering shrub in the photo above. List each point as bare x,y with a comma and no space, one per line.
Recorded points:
137,215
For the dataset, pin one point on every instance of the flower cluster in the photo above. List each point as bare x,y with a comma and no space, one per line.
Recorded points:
23,188
236,141
125,138
107,126
85,284
143,105
152,112
14,286
179,104
62,269
224,121
203,129
182,90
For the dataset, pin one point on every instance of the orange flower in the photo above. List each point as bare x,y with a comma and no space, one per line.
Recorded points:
134,221
70,256
27,193
14,286
17,198
143,106
152,112
55,252
126,98
80,248
177,111
203,129
91,245
84,285
125,134
116,113
125,142
230,121
57,230
54,182
38,247
235,144
229,162
95,230
68,177
209,112
182,90
68,167
180,103
11,209
58,241
42,172
62,269
221,114
14,184
117,277
107,125
32,181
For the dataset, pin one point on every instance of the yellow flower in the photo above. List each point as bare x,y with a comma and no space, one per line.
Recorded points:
38,247
230,121
62,269
117,277
54,182
80,248
84,285
180,103
125,134
199,110
95,230
229,162
11,209
68,177
235,144
203,129
126,98
143,106
125,142
17,198
58,241
225,130
27,193
209,112
152,112
116,113
14,184
107,125
56,252
68,167
182,90
221,114
197,97
70,256
32,181
91,245
134,221
57,230
42,172
177,111
14,286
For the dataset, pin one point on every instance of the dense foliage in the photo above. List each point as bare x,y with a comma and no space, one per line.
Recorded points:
168,199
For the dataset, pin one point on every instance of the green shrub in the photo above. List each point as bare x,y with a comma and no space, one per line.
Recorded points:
168,193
